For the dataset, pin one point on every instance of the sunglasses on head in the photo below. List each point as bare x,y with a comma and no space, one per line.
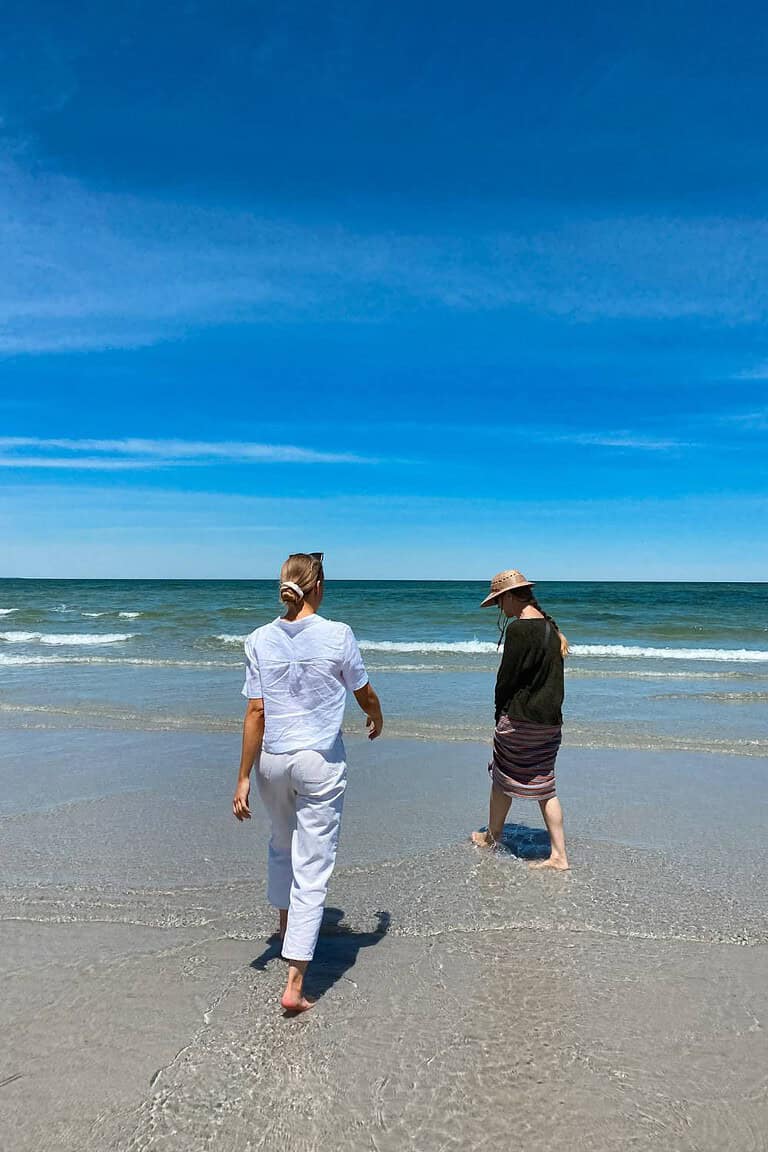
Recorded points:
317,556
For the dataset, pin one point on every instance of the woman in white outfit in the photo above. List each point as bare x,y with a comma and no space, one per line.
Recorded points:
298,671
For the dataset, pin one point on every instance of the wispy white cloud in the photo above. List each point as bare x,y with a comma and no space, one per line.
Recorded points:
626,440
758,372
81,269
77,463
753,421
125,454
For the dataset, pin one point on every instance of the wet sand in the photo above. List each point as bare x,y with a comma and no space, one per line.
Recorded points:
464,1000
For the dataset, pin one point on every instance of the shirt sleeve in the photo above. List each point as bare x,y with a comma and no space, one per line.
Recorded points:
353,671
252,686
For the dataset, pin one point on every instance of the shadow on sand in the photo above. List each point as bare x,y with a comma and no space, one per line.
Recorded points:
524,842
336,951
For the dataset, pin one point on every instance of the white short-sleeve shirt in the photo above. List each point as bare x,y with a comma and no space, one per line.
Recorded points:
302,669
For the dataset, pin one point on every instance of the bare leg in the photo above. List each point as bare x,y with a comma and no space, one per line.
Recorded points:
553,818
293,999
279,936
497,815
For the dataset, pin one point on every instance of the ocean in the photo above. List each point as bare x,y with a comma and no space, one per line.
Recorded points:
677,666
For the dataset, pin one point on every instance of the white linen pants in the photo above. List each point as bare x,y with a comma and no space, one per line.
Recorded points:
303,793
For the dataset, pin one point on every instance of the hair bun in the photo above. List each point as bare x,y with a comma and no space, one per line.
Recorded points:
291,593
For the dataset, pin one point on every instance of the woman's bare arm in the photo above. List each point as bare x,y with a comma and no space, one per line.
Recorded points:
369,702
253,734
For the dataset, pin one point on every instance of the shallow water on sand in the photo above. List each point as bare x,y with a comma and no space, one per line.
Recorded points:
464,1000
585,1044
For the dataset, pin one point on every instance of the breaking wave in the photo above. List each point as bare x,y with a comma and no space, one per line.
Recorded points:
66,639
614,651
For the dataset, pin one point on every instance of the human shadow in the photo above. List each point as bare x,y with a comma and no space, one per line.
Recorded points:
338,948
524,842
336,952
271,952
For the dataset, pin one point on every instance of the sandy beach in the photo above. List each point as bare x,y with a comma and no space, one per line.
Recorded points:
462,997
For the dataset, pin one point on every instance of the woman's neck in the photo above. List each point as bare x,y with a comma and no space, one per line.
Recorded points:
306,609
531,613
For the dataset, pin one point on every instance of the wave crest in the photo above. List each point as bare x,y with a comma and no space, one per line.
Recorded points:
12,660
613,651
68,639
476,647
636,652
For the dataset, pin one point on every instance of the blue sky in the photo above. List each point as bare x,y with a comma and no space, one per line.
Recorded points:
438,288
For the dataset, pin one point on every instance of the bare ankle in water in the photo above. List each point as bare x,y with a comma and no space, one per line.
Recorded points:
484,839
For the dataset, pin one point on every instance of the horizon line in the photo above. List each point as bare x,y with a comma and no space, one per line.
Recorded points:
349,580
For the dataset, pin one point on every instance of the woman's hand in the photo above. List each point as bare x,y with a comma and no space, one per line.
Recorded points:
369,702
374,724
253,734
240,803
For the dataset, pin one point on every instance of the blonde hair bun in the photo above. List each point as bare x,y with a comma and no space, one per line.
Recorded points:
290,592
298,576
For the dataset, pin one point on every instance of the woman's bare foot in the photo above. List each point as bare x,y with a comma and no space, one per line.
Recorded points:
293,999
556,862
296,1004
482,839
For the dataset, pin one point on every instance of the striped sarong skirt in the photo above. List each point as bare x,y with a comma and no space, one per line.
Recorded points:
524,755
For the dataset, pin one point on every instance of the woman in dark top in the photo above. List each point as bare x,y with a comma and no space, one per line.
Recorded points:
529,698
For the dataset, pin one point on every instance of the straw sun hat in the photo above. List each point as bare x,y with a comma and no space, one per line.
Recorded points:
508,581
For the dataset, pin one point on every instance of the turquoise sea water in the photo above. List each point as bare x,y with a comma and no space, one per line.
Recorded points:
653,665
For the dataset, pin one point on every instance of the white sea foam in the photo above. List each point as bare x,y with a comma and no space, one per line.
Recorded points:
12,661
8,660
609,651
615,651
412,668
633,652
477,647
7,611
608,673
122,615
68,639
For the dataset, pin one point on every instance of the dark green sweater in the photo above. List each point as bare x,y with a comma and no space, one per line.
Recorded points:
530,685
